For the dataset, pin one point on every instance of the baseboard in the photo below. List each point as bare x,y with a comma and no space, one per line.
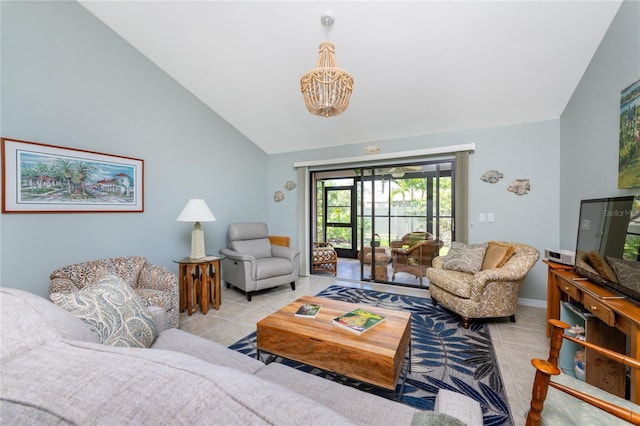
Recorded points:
533,302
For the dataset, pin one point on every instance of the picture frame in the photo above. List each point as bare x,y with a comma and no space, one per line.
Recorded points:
629,152
42,178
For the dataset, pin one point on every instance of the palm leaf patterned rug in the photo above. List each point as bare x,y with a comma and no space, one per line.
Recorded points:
443,355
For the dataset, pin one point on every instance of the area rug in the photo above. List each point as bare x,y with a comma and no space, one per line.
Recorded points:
443,355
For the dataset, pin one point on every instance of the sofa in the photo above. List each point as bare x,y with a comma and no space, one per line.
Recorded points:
54,370
481,280
155,285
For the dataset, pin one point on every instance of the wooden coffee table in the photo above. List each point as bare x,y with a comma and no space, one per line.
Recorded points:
375,356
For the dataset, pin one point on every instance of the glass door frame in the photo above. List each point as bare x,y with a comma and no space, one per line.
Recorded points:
341,251
433,170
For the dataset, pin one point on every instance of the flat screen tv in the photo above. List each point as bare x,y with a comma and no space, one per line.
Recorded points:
607,248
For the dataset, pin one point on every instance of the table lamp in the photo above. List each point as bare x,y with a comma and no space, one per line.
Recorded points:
196,211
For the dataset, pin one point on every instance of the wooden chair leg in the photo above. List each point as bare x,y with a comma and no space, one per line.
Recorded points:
555,342
544,370
465,322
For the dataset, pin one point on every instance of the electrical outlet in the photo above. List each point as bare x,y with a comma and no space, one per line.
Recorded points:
482,217
491,217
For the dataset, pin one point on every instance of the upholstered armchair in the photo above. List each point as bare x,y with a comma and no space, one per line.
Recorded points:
155,285
414,259
487,290
252,263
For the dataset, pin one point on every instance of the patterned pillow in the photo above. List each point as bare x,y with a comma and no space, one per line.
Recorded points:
112,310
465,258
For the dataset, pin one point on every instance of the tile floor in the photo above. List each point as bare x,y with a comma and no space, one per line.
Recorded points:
515,343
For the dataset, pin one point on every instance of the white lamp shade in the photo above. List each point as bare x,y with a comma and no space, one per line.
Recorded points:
196,210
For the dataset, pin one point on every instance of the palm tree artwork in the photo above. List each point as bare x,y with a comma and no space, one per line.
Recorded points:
57,179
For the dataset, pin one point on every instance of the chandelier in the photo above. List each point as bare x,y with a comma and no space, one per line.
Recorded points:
326,89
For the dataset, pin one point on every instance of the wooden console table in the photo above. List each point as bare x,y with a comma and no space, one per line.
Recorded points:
617,324
199,279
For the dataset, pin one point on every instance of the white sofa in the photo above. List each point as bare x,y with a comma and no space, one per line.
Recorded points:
54,371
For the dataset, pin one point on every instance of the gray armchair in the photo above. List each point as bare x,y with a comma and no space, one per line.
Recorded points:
252,263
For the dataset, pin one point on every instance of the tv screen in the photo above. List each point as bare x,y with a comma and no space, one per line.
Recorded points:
607,249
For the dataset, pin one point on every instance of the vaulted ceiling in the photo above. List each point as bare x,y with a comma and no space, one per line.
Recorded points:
420,67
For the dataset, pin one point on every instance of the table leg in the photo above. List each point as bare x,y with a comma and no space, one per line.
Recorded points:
217,290
191,297
183,287
205,281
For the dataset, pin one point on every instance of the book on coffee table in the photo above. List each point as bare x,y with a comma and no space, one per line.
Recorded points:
308,310
359,320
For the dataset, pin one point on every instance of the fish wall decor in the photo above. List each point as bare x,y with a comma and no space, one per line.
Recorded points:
278,196
491,176
519,186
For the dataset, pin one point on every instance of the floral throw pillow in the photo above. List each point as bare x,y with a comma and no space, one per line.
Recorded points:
113,311
465,257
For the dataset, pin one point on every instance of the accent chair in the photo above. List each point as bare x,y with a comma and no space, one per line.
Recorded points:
559,398
155,285
486,290
252,263
324,257
413,254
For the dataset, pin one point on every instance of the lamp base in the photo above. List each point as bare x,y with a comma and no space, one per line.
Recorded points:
197,243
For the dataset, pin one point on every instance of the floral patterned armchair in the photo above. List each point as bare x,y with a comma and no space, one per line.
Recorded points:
155,285
490,292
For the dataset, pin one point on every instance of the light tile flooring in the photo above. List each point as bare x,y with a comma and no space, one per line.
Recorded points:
515,343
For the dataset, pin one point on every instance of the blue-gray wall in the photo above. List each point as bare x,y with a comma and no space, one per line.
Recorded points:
69,80
521,151
567,160
590,124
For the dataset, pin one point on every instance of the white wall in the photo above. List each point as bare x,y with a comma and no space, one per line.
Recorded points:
68,80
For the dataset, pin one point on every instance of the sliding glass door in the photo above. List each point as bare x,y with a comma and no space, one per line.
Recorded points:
339,225
365,213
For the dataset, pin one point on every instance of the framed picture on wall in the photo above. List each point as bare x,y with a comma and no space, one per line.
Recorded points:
629,153
41,178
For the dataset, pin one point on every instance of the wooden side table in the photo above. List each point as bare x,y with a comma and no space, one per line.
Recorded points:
199,279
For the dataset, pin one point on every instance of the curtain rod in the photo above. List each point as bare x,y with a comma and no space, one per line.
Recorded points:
392,155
